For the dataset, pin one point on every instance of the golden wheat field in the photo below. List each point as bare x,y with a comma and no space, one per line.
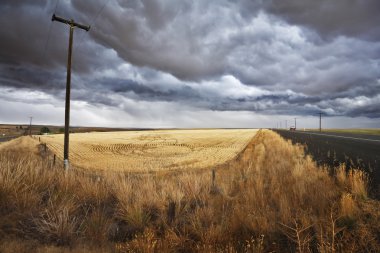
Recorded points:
156,150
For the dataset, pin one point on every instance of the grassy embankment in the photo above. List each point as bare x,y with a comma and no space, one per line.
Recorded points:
271,198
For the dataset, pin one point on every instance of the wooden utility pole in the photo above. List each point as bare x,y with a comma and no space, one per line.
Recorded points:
320,122
295,123
30,125
72,25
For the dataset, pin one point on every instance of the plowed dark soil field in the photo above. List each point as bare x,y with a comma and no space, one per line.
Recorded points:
333,149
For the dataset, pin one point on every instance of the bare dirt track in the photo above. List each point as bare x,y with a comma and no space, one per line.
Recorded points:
156,150
354,150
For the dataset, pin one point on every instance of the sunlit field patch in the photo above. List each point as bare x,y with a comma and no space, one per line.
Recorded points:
141,151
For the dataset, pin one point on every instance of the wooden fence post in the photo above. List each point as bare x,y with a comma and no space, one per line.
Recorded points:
213,177
171,211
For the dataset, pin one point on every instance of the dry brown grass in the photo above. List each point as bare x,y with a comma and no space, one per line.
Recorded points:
269,198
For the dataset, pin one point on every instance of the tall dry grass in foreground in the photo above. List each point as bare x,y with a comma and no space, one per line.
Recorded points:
270,198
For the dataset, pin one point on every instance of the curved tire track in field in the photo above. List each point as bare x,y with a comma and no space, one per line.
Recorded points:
180,150
127,148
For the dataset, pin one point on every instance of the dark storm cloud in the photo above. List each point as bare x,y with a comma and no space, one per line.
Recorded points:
133,89
170,36
370,111
24,33
103,90
309,68
8,3
272,57
354,18
275,103
30,77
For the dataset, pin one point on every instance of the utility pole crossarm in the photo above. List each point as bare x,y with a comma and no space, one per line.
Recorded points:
70,22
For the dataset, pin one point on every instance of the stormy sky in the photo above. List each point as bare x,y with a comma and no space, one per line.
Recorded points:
170,63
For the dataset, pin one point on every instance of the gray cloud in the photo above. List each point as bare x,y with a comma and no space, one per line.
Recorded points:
271,57
332,18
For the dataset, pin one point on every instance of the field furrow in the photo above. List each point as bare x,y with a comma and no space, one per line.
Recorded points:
154,150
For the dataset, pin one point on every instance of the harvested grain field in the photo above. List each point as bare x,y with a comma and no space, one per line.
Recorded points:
156,150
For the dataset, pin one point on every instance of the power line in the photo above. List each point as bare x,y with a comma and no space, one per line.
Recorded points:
47,39
49,30
93,22
99,12
56,6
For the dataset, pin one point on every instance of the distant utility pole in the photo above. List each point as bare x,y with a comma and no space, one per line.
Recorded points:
72,25
30,125
320,122
286,124
295,123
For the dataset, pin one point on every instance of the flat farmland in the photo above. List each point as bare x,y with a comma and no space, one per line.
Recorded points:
155,150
